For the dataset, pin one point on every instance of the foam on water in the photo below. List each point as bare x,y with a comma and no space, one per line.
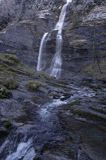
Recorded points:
24,150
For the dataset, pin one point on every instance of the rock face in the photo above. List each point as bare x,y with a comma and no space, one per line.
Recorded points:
84,36
88,123
23,32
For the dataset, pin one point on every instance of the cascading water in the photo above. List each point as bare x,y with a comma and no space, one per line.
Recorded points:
41,63
56,64
24,151
55,69
57,60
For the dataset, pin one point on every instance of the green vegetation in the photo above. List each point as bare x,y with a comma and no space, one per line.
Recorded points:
11,73
11,65
9,59
10,83
33,85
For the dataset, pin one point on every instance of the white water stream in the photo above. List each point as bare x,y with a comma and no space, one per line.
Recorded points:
44,128
24,151
42,50
56,64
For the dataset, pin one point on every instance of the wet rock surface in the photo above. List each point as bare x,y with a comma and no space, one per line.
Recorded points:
89,125
48,118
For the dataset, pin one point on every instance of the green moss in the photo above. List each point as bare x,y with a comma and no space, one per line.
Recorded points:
33,85
11,83
12,65
8,79
4,92
9,59
24,70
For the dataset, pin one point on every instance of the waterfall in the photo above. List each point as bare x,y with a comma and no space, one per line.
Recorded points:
60,23
56,64
55,69
41,62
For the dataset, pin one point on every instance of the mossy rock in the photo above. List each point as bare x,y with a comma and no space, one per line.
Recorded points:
11,64
11,83
9,59
4,92
33,85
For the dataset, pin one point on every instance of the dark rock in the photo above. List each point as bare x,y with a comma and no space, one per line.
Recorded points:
5,93
87,123
3,132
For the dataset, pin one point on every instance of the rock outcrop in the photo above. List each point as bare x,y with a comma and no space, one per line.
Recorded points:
84,37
